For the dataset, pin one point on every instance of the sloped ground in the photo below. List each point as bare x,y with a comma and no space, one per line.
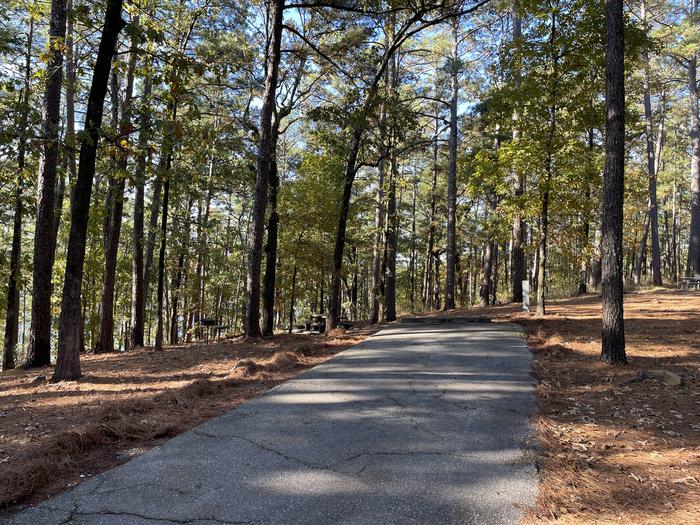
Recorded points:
615,451
55,435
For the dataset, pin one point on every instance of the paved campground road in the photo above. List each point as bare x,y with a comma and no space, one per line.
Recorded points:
424,423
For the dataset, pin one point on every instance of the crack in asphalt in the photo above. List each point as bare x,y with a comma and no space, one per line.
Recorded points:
69,519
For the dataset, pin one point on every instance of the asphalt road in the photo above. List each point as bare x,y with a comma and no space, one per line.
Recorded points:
418,424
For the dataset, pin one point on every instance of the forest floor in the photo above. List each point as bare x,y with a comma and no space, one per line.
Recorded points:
53,436
615,450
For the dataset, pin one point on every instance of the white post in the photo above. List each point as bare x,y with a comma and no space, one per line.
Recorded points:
526,296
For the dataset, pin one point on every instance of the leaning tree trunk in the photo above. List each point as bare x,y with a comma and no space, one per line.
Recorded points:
252,320
613,340
339,247
39,348
451,254
69,339
13,284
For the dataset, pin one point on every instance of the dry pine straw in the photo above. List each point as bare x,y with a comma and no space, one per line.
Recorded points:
611,451
52,435
614,451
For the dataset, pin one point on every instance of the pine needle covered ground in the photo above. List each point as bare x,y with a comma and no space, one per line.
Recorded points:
614,449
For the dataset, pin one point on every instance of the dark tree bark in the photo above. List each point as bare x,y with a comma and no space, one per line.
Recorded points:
379,216
291,304
252,321
488,268
271,248
105,339
39,348
613,337
13,284
69,339
164,169
339,247
178,278
391,231
138,287
451,252
428,280
155,210
544,218
694,241
518,270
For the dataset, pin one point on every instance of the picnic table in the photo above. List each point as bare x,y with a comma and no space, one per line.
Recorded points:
690,283
212,324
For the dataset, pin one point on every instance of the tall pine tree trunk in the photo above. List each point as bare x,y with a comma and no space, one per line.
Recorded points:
391,232
69,338
518,270
105,339
138,287
613,340
13,284
271,245
694,241
451,254
252,320
39,348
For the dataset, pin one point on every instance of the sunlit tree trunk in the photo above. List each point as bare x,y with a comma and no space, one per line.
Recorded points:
451,252
252,321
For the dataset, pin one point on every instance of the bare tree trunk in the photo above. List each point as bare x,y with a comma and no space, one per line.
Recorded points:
451,254
391,231
694,240
613,343
271,246
428,280
339,247
379,225
165,164
13,284
488,268
518,270
252,322
69,338
180,275
138,285
39,348
413,262
291,304
105,340
156,197
544,219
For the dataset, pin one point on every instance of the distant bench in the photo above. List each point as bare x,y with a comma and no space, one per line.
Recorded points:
690,283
